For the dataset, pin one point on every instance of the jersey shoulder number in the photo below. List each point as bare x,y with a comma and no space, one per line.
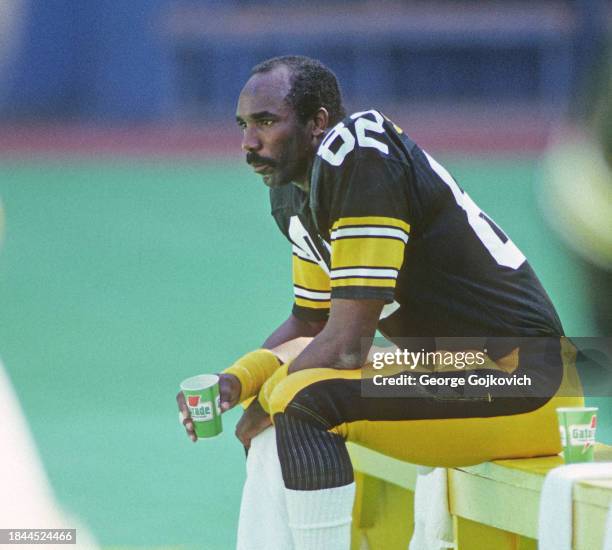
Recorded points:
365,129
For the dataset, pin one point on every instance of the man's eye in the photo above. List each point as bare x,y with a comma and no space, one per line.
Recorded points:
266,122
242,125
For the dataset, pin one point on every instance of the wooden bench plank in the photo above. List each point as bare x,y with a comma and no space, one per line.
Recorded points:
488,494
382,466
494,505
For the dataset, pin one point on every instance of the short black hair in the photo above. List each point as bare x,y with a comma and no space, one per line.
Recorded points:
313,85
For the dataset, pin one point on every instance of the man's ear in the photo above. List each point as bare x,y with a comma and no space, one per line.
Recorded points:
320,122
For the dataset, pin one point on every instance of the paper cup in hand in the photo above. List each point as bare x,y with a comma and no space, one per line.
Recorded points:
577,427
202,397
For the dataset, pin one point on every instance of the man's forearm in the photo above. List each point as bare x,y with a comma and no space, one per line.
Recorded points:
293,328
327,351
345,340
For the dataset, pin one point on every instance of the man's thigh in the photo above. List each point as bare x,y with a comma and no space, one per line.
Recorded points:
440,430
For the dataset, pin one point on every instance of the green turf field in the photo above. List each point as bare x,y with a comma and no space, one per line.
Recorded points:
118,279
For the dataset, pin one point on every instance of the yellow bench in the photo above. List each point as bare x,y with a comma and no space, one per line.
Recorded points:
494,505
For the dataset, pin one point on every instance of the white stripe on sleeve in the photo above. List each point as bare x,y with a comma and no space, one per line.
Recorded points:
381,273
344,232
311,294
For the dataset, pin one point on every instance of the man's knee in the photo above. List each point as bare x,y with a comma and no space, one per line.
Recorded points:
311,457
320,394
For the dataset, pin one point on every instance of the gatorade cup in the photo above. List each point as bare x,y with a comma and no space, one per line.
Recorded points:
577,426
202,397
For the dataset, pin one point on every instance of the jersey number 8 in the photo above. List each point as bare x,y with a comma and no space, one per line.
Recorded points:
503,250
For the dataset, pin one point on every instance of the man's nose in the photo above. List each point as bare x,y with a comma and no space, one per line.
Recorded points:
250,140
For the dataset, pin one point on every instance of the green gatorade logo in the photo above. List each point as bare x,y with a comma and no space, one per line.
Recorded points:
199,411
583,435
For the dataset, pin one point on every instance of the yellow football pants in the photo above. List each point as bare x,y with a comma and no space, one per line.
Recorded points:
448,442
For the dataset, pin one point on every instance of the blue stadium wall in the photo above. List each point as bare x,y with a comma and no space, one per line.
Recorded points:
125,60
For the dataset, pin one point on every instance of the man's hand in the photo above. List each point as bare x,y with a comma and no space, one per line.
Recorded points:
187,422
229,391
253,421
229,394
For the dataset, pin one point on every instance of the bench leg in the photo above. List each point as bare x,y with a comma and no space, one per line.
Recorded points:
382,515
476,536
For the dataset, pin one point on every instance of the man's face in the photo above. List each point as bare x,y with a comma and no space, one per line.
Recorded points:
277,145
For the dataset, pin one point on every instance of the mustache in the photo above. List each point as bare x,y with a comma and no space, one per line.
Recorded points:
254,158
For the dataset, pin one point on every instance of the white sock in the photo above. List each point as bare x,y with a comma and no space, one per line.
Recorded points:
321,519
263,523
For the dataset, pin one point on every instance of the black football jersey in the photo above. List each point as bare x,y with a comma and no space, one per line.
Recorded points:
384,220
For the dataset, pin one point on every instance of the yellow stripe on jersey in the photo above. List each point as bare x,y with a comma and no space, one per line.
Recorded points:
311,284
304,302
372,220
359,281
367,252
309,275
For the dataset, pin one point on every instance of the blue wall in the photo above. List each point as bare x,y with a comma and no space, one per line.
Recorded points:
91,59
122,60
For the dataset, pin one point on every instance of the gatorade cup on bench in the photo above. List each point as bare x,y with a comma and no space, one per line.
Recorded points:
577,427
202,397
